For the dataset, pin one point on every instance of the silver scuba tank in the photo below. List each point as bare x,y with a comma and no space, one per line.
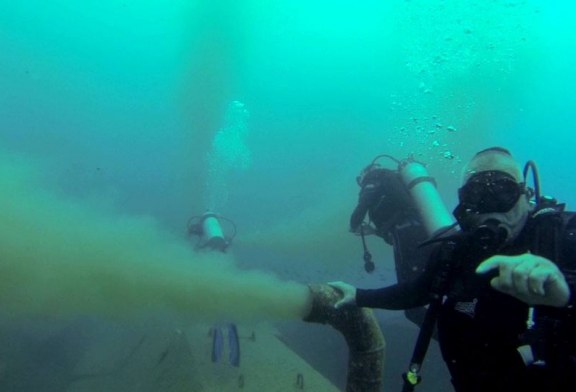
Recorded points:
426,197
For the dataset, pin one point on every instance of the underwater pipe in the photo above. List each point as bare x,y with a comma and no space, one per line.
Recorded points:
362,333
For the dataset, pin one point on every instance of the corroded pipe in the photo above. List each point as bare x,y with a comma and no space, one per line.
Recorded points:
360,328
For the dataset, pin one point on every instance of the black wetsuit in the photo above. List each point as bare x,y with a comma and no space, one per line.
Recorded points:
480,329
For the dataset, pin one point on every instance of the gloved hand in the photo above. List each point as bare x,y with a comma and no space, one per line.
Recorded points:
348,293
532,279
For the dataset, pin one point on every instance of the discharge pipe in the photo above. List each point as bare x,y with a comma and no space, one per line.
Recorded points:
362,333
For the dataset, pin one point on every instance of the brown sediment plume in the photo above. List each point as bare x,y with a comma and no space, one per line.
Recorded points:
64,257
362,334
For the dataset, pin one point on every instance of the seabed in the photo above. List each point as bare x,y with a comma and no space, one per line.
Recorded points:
181,361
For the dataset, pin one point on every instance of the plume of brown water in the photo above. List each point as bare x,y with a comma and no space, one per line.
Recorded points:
63,257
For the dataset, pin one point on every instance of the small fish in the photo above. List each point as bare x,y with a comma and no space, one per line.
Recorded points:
217,344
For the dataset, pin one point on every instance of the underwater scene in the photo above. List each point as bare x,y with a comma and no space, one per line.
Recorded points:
179,179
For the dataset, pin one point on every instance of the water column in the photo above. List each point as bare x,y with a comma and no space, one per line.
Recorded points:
229,153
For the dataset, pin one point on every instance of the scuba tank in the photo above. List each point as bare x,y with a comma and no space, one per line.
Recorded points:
403,207
209,230
422,188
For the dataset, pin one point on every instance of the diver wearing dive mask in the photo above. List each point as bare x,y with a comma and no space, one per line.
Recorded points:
493,207
505,310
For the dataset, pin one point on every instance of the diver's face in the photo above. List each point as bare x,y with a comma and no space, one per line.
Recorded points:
493,195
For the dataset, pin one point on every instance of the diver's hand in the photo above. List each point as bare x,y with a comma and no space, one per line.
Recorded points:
532,279
348,293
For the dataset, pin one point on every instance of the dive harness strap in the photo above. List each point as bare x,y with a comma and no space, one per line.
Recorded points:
437,291
418,180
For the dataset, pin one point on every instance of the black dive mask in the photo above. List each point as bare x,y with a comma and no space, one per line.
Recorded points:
486,201
490,191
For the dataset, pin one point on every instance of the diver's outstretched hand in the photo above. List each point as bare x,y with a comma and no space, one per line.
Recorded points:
348,293
532,279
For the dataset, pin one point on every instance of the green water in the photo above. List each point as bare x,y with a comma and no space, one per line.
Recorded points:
110,113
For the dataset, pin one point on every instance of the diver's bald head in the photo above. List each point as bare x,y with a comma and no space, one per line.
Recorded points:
494,158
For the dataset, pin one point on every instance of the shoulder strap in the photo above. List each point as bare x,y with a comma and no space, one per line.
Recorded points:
548,224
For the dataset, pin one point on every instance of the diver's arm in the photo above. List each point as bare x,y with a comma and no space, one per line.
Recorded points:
409,294
399,296
396,297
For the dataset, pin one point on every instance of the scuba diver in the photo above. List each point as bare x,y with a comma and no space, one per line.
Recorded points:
501,289
402,206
